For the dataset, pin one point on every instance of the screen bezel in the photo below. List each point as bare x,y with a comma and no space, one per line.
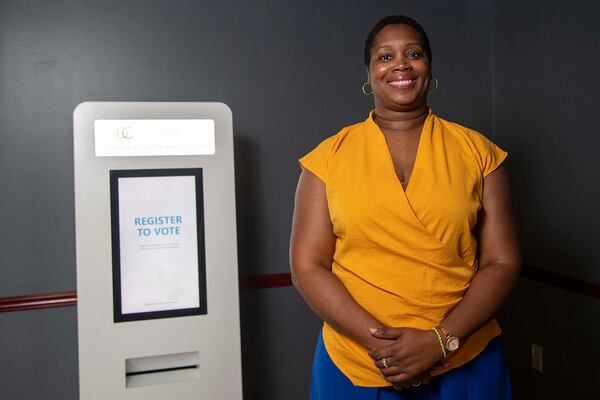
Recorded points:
115,175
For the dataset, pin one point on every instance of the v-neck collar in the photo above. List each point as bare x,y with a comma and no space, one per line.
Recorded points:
423,144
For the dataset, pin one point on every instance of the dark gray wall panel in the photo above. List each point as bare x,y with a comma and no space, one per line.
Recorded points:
565,324
279,332
39,354
545,100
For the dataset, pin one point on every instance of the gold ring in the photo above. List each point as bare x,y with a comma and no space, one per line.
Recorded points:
418,384
384,363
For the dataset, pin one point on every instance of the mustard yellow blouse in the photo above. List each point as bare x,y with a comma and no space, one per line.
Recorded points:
407,257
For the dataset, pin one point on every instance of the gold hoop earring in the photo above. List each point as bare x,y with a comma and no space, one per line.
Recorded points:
433,84
365,91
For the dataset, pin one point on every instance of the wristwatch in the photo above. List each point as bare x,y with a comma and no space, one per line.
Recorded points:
452,342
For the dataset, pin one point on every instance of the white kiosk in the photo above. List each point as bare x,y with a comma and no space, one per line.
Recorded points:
157,279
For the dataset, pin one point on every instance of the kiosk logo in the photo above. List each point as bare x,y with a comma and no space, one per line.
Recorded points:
155,137
124,132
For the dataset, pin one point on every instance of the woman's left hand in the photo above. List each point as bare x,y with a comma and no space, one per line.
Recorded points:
409,358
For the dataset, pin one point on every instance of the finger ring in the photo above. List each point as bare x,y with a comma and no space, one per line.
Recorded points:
384,363
417,384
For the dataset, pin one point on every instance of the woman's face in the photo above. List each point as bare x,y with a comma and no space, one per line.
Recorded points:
399,69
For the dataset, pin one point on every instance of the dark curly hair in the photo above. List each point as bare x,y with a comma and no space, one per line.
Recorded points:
391,20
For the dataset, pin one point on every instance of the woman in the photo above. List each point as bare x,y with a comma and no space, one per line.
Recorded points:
403,241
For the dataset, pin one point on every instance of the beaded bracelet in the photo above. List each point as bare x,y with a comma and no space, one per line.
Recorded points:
437,333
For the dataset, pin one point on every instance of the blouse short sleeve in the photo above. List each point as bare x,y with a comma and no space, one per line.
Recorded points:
488,155
317,160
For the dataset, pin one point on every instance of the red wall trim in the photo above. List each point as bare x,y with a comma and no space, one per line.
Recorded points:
265,281
562,281
50,300
64,299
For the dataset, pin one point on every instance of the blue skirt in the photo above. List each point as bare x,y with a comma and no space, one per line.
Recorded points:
485,377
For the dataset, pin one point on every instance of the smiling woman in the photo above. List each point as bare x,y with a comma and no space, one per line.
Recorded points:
403,242
399,69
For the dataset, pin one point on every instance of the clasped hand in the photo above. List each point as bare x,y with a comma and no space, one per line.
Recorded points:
410,357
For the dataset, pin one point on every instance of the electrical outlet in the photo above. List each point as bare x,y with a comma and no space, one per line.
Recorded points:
537,357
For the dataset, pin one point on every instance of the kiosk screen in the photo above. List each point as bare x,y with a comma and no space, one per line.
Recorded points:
158,254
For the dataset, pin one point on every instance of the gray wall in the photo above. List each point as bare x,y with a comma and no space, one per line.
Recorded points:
291,71
545,95
545,98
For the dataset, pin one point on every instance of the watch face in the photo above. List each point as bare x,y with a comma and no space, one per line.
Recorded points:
452,343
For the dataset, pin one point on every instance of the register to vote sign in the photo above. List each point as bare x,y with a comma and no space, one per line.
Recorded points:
158,243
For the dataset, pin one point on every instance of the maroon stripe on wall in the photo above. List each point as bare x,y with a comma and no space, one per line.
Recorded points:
562,281
265,281
32,302
64,299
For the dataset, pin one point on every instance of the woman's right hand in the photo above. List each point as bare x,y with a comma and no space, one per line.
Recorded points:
409,359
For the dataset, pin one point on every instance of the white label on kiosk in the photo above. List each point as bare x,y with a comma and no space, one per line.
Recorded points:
154,137
158,243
